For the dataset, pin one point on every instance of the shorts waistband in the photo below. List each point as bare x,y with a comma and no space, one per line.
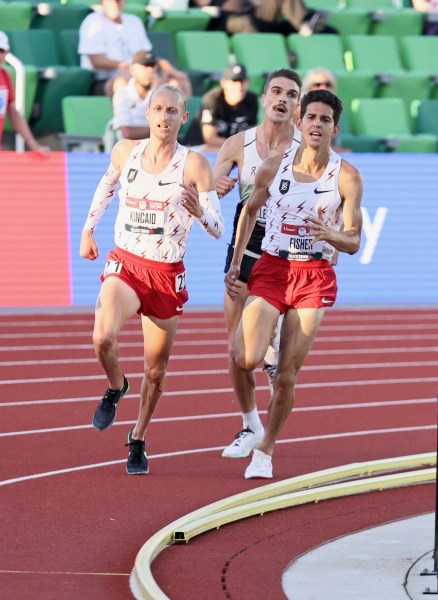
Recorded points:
145,262
302,264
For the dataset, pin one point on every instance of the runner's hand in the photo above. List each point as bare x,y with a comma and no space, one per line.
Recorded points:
231,282
190,200
319,229
225,184
88,248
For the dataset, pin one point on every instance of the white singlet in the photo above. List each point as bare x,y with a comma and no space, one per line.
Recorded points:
290,202
153,224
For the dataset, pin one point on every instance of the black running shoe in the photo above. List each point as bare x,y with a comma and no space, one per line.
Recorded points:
137,460
105,413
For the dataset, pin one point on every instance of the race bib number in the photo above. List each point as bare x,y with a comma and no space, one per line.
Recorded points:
296,243
112,266
261,216
145,216
180,282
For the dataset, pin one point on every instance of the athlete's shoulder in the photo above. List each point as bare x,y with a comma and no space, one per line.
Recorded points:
347,170
121,151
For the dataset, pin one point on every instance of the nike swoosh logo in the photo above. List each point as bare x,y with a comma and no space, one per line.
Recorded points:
168,183
179,308
322,191
326,301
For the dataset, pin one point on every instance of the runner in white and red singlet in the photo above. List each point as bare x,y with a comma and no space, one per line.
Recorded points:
313,202
247,151
165,188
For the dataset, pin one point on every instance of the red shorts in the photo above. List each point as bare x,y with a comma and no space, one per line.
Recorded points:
293,283
160,287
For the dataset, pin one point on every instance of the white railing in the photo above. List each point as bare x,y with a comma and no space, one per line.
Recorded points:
20,93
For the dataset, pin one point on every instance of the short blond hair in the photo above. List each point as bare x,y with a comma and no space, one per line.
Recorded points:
167,87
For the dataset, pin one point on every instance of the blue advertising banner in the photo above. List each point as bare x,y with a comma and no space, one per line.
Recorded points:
397,261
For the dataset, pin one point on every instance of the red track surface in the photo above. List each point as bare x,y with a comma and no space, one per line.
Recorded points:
73,521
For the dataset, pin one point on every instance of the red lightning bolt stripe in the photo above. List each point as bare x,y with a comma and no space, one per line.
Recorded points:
331,174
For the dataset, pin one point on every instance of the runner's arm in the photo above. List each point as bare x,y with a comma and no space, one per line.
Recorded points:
248,217
103,197
229,155
348,238
199,196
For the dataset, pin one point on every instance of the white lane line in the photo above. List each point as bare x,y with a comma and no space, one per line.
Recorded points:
70,347
328,339
303,409
175,394
351,315
313,352
209,330
200,372
319,367
217,449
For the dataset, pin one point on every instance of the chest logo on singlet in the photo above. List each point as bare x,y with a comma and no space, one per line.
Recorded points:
322,191
132,174
253,170
166,182
284,186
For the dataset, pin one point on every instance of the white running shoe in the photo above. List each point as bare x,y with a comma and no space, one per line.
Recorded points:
260,466
245,441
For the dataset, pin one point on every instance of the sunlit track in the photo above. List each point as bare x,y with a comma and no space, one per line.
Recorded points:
313,352
44,380
354,434
221,331
173,373
367,391
206,416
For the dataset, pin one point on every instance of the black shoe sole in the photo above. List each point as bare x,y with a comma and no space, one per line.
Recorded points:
137,472
115,412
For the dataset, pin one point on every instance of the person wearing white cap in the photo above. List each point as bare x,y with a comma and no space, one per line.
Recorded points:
7,104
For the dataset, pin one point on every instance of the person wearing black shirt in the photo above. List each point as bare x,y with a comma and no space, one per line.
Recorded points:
227,109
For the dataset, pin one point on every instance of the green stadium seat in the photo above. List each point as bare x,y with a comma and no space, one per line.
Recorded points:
260,53
425,115
420,53
164,46
354,21
324,50
37,47
387,118
355,85
192,19
68,43
380,55
369,4
15,15
396,22
87,122
356,143
58,17
204,51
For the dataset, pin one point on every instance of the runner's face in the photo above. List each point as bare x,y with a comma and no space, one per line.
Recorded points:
281,99
317,125
165,114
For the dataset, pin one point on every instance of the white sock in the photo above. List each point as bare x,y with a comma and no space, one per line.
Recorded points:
252,420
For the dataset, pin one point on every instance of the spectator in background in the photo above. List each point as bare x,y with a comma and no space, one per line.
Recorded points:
107,41
430,10
7,104
227,109
280,16
320,78
131,101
